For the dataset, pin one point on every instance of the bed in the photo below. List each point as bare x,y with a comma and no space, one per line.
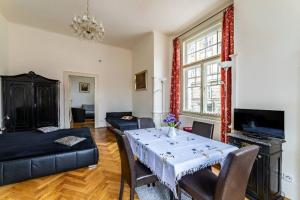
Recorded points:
114,120
32,154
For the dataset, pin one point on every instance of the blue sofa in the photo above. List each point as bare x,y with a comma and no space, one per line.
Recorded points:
89,111
114,119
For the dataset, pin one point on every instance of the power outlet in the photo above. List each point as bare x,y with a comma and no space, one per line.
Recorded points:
287,177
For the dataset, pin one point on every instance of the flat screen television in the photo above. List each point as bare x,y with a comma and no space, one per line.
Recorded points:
259,123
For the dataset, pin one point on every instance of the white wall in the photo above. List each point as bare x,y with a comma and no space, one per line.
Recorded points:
161,83
78,98
151,52
50,54
267,42
3,45
143,59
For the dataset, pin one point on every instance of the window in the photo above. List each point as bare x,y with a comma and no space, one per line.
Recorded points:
201,72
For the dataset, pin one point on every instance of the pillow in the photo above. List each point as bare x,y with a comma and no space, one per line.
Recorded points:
127,117
48,129
70,140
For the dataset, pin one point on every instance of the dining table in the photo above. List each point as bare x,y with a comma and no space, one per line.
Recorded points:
171,158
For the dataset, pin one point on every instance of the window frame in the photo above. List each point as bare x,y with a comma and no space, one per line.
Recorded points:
201,63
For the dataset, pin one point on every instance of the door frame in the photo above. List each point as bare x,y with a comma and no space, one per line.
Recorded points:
67,105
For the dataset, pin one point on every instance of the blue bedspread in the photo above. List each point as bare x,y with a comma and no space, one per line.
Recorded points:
33,143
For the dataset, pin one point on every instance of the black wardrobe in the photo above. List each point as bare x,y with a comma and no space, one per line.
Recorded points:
29,101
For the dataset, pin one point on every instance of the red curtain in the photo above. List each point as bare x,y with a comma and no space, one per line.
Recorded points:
175,79
226,90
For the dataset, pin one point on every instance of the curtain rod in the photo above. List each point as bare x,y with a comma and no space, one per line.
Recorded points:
204,21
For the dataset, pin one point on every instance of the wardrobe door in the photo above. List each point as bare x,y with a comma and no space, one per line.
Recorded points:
18,105
46,104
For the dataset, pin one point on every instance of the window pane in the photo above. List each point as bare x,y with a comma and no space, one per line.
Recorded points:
215,50
191,82
201,44
219,35
192,89
191,47
191,58
209,52
198,71
215,38
219,48
205,45
212,94
210,40
201,55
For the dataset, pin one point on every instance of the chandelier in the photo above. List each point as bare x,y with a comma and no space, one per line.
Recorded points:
86,26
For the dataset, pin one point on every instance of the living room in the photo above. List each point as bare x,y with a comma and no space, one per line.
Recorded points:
133,71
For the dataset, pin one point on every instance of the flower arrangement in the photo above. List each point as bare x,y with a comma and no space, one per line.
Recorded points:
171,120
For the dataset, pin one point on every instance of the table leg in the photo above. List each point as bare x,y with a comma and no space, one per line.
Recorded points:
172,196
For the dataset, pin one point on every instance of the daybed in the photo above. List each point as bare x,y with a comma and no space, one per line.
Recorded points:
32,154
114,120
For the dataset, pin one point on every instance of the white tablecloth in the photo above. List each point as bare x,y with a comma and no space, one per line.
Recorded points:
172,158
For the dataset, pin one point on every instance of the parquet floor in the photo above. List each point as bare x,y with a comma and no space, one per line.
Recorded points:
90,123
100,183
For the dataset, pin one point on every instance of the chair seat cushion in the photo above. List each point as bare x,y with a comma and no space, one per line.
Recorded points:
200,185
144,174
188,129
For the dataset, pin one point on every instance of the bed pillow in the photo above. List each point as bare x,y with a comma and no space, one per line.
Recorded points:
70,140
48,129
127,117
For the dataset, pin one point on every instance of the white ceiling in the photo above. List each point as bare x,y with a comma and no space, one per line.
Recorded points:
124,20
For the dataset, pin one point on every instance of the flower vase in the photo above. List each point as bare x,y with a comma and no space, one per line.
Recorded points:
172,132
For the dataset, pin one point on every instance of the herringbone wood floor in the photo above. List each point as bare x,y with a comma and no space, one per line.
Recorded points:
101,183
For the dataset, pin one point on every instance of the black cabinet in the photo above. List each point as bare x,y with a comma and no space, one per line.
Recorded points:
46,98
29,101
265,178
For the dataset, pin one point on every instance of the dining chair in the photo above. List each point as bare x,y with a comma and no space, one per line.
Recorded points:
203,129
145,123
132,171
229,185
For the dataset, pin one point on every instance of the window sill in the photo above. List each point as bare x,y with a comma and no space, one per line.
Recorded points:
216,118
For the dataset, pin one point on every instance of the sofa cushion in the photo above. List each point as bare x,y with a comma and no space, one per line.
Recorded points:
70,140
117,114
48,129
88,108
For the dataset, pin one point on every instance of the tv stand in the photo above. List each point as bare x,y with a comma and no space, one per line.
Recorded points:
265,178
256,136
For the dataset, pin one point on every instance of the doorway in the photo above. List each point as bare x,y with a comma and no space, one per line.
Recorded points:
80,100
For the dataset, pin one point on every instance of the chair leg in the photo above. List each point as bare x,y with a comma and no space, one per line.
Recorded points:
178,192
172,197
132,193
121,188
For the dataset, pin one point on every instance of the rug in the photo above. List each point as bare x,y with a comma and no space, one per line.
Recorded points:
159,192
